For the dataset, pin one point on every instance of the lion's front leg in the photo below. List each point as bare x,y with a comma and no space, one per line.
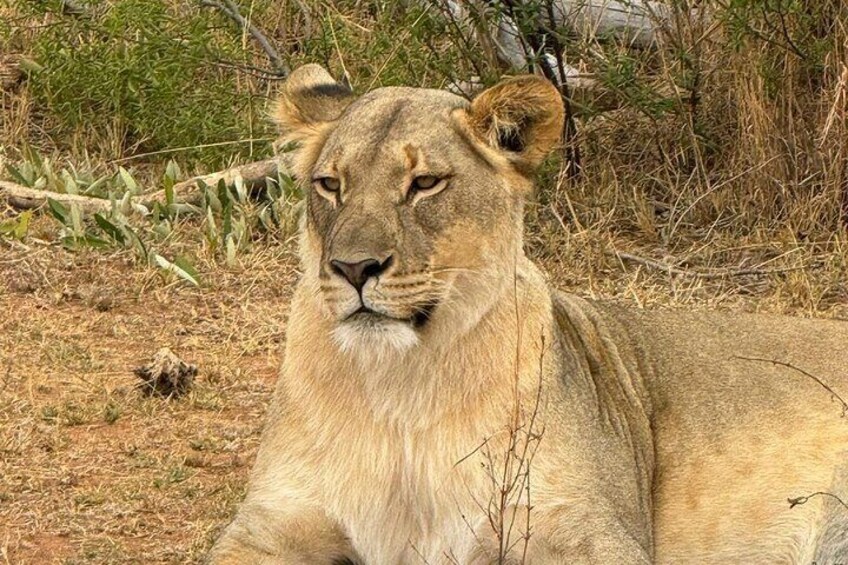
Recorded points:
596,534
265,536
591,552
560,536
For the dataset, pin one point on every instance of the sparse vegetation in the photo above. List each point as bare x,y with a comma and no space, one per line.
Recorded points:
719,179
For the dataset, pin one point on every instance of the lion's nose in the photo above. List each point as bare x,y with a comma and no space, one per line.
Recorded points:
357,274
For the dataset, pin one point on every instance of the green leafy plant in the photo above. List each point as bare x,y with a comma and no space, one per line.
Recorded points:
230,216
17,227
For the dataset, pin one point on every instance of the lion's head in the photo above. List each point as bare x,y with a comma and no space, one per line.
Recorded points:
414,200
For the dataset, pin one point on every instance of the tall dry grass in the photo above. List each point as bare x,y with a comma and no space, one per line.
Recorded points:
744,170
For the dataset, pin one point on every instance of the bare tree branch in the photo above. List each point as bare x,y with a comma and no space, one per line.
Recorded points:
701,274
231,10
188,191
23,197
263,74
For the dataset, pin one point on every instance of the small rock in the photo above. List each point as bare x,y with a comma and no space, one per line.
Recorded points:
98,297
102,302
167,375
195,461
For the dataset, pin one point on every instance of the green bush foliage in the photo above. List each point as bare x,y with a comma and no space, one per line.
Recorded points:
149,73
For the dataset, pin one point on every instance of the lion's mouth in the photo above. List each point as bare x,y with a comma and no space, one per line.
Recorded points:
422,315
418,320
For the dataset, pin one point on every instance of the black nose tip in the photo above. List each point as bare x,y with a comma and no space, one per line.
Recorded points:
357,274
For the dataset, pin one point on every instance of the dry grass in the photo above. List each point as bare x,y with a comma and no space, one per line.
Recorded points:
94,471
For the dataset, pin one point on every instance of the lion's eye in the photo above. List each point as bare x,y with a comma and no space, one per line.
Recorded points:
425,182
329,184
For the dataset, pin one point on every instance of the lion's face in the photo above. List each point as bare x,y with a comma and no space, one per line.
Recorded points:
411,220
413,215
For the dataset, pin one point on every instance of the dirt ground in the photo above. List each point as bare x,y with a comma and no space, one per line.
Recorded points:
94,471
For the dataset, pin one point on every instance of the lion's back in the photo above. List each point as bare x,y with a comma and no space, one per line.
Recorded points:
738,362
747,412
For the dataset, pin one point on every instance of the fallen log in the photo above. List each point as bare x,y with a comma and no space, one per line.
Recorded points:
638,23
188,191
25,198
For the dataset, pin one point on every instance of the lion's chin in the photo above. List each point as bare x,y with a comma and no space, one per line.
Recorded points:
375,336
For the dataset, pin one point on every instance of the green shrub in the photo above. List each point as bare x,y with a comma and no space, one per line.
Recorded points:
147,72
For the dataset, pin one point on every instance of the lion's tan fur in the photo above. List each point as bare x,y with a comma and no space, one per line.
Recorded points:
651,438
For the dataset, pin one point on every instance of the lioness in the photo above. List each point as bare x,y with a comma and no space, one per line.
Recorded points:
440,403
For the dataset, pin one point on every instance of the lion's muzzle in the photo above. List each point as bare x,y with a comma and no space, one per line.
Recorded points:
357,273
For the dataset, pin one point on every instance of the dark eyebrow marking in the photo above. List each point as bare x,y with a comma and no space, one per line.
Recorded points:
380,130
383,126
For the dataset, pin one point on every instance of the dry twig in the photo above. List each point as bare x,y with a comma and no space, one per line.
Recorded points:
701,274
820,382
798,500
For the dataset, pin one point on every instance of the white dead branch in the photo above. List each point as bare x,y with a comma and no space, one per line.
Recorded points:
639,24
189,191
636,22
22,197
253,174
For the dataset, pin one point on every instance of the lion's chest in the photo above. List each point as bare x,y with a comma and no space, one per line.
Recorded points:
409,497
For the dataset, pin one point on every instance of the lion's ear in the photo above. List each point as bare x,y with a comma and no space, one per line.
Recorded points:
309,99
521,116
